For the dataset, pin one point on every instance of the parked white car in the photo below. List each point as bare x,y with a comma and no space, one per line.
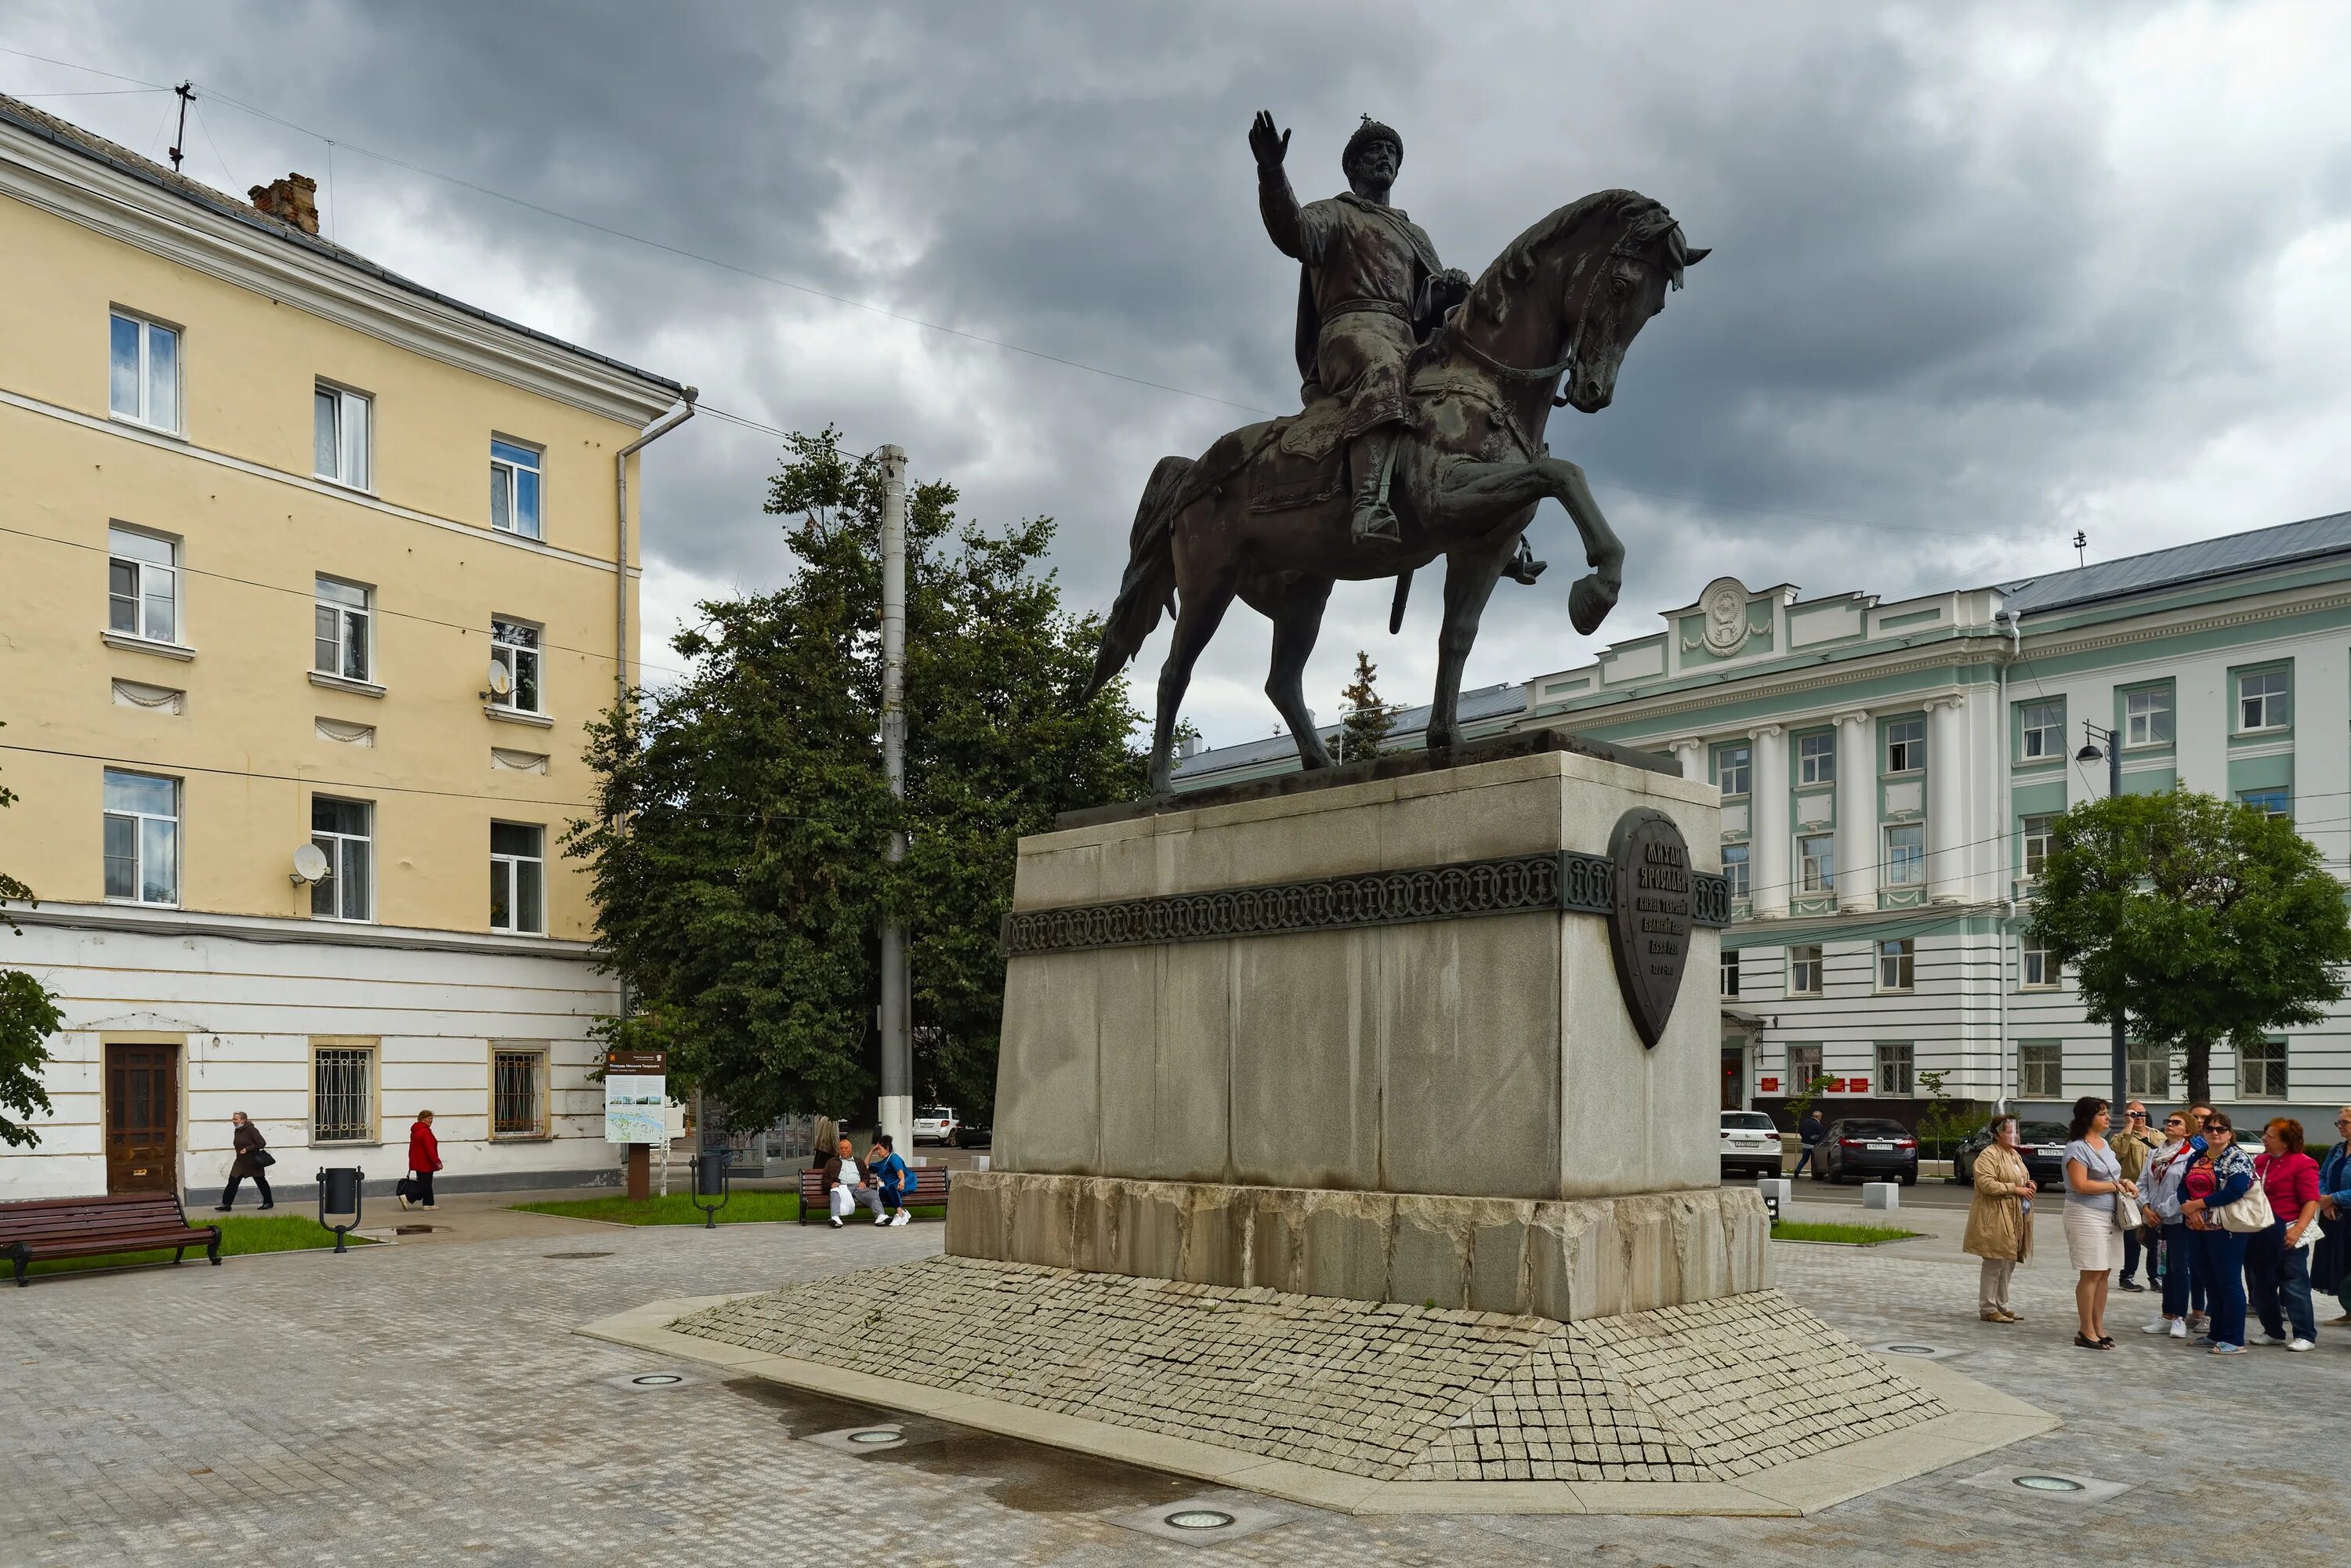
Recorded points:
1750,1145
935,1123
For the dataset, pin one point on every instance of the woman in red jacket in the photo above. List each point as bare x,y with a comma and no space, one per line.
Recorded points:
424,1159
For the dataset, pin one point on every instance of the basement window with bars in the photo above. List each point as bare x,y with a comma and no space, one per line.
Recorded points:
518,1093
342,1095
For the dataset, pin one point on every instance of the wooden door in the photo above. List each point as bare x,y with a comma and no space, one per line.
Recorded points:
143,1118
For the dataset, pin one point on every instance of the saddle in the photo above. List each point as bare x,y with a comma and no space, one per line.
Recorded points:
1302,460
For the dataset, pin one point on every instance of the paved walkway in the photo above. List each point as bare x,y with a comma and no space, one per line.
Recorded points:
428,1403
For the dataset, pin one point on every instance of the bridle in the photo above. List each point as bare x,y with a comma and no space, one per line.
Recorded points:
1624,247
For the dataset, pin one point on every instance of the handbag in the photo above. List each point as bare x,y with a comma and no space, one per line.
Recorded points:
2248,1214
261,1159
2127,1216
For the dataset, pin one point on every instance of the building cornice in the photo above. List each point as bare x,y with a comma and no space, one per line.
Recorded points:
2067,645
332,492
94,193
127,918
1816,681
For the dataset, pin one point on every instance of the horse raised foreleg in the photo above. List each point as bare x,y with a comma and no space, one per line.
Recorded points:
1469,577
1473,497
1196,622
1296,611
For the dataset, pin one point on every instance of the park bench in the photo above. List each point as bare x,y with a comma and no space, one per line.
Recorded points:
929,1191
89,1227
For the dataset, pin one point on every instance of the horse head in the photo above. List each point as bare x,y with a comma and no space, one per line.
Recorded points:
1577,289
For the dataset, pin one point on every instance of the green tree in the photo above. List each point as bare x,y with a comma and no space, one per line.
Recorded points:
1365,720
2197,920
28,1016
737,863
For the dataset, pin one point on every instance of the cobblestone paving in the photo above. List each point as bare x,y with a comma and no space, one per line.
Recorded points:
430,1405
1391,1392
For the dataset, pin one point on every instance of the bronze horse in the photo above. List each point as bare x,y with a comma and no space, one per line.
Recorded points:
1564,299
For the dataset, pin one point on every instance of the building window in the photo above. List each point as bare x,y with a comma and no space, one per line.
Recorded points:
1895,1077
143,585
514,488
2264,700
1731,770
1803,1066
342,1095
1897,956
2041,1070
341,830
339,438
1803,971
343,615
2261,1069
2146,716
518,878
2036,965
1816,758
515,645
1730,973
2035,833
1906,745
1734,869
142,838
1816,857
2043,734
2269,803
518,1094
2147,1071
1906,855
143,378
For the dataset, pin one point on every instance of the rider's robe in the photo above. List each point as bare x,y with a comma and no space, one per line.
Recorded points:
1363,265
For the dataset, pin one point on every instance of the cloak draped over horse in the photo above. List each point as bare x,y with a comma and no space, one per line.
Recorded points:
1266,513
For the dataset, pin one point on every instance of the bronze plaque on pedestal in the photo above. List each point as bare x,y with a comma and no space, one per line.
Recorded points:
1650,915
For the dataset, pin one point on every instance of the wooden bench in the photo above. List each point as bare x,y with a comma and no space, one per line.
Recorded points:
929,1191
90,1227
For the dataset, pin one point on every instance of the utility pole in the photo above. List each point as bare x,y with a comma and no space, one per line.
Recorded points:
2113,751
186,91
897,1106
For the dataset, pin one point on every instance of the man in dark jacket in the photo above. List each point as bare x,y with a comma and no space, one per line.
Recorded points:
1808,1132
250,1159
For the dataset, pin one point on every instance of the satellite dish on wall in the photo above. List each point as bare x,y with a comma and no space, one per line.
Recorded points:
501,678
310,864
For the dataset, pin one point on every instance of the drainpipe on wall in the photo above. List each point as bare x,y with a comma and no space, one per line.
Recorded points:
645,438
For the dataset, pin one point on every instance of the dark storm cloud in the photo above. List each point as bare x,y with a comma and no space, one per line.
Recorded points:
1969,289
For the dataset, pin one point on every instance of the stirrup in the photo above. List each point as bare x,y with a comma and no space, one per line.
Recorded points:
1375,523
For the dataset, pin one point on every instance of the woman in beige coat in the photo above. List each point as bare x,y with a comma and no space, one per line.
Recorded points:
2000,1220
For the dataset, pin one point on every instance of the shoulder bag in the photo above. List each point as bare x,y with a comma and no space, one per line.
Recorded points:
2250,1213
2128,1214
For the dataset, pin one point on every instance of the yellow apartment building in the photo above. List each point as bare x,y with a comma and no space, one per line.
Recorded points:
309,578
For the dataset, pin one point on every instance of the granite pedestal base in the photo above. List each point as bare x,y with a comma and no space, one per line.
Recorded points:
1565,1259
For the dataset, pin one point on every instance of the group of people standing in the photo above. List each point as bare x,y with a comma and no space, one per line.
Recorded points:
2224,1231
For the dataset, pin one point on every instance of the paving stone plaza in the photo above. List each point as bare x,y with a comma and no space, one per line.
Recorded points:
429,1403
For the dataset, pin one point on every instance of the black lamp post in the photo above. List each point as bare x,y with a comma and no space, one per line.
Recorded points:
710,1168
340,1193
2105,743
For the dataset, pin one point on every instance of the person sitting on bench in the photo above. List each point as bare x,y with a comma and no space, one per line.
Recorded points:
843,1189
886,1170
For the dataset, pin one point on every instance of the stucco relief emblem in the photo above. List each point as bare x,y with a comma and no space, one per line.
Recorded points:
1723,606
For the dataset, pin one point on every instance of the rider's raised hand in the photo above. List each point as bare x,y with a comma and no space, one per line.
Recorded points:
1269,145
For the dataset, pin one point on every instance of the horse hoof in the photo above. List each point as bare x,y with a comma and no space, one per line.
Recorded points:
1589,602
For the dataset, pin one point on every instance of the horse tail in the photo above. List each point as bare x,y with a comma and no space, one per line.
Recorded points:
1149,586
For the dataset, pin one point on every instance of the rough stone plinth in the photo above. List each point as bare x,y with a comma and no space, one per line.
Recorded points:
1705,1393
1566,1260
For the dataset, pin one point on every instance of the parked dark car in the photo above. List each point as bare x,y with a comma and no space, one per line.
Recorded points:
972,1133
1863,1148
2043,1144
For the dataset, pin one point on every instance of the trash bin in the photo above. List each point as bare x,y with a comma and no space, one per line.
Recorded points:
339,1194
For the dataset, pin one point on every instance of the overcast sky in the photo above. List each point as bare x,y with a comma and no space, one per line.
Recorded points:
1982,276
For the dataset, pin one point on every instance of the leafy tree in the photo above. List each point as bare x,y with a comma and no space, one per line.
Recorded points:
1366,719
28,1016
738,865
2197,920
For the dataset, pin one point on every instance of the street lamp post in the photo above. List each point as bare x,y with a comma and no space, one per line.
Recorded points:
2097,743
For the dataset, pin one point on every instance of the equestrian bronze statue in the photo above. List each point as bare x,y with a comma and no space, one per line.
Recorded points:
1426,397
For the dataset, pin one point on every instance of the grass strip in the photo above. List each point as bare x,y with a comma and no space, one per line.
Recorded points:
1841,1235
260,1233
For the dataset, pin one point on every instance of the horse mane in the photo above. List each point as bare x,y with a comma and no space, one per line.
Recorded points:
1648,226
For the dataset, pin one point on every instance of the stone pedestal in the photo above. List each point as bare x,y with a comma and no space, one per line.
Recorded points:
1362,1034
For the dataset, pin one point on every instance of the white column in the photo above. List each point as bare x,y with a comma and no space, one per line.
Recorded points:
1947,860
1767,827
1691,754
1856,812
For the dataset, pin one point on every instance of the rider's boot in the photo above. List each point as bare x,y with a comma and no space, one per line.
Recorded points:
1524,567
1373,519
